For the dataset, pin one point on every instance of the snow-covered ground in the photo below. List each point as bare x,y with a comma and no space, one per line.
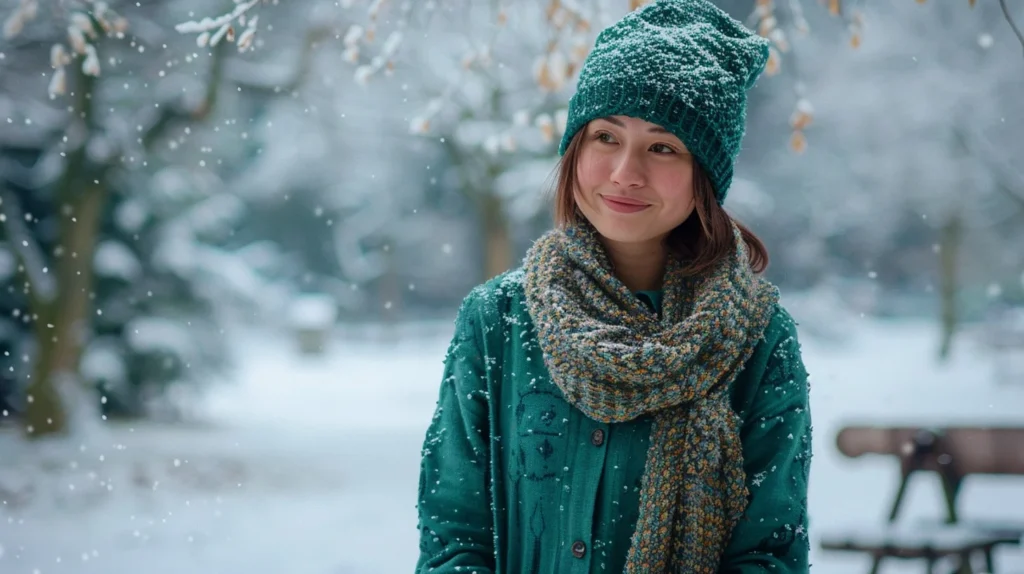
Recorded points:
310,465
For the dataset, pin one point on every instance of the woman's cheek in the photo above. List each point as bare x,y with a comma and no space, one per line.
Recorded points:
592,172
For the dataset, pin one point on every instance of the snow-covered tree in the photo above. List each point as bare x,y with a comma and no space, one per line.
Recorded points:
915,132
487,85
121,86
490,80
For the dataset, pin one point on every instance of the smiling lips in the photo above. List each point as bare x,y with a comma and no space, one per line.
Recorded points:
624,204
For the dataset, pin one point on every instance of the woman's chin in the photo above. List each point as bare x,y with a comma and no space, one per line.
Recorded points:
623,230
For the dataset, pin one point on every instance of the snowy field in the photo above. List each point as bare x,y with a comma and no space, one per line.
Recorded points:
311,465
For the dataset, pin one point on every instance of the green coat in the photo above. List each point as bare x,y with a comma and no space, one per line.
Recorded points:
514,480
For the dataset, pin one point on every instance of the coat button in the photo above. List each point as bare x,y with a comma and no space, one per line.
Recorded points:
579,549
597,437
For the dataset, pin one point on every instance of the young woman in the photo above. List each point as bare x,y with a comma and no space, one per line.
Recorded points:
633,399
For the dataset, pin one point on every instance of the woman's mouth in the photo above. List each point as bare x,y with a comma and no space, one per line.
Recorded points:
624,204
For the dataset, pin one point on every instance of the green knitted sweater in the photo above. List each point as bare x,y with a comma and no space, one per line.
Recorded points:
516,481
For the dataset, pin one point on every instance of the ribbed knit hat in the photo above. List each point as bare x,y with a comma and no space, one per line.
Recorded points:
685,65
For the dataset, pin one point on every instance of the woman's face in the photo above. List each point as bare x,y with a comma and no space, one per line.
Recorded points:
634,180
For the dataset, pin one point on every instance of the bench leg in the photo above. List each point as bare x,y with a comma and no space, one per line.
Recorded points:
898,499
951,483
990,564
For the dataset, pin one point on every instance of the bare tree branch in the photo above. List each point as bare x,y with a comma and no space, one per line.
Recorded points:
181,110
1013,192
1008,180
244,74
1013,25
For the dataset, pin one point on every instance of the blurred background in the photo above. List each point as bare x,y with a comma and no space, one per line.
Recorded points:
234,235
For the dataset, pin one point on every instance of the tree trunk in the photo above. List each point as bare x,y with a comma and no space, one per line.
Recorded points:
62,327
497,235
949,250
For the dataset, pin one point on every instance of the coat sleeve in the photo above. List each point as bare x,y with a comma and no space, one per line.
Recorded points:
772,535
454,504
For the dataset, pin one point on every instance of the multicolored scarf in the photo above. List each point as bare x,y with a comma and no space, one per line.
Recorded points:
615,360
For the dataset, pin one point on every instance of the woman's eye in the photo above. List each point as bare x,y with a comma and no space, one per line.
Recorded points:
662,148
605,137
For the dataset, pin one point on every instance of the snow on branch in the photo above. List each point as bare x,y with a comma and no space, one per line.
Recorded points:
565,29
251,77
212,30
30,254
83,30
15,22
359,35
561,43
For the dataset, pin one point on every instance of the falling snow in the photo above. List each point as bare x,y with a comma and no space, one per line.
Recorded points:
328,463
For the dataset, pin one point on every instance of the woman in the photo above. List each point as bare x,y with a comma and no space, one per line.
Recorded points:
633,399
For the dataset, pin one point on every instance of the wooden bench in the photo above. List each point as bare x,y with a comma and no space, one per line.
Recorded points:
930,543
953,453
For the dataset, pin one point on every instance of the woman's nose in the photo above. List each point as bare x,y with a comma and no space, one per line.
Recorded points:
628,171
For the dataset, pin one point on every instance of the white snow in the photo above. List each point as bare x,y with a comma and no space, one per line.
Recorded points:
216,213
313,311
8,265
104,361
310,464
114,259
155,334
748,200
512,185
131,214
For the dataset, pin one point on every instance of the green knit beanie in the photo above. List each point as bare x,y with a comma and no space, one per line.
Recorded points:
685,65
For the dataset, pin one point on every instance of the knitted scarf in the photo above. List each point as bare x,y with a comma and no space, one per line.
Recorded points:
615,360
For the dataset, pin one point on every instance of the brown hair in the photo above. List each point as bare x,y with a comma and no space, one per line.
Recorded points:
705,238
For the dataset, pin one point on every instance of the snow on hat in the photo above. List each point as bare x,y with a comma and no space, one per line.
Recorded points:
685,65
